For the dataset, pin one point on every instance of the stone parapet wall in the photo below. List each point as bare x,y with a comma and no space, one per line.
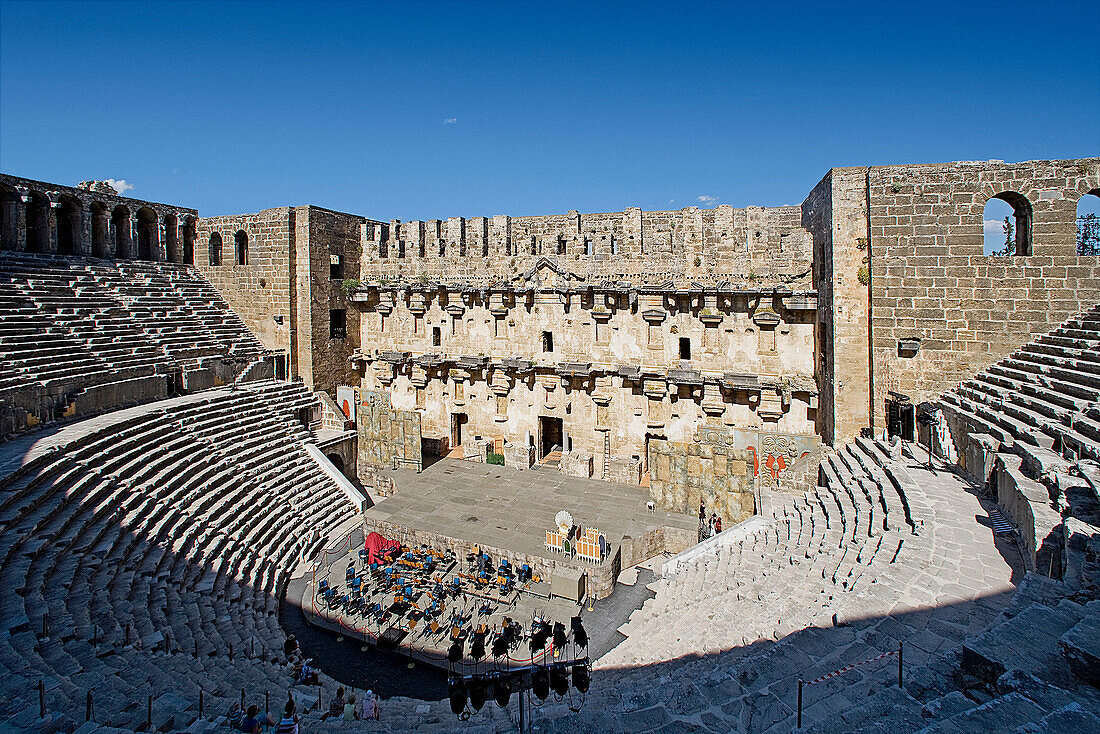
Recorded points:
750,245
259,290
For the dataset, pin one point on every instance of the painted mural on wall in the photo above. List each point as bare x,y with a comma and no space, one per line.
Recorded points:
781,461
347,400
784,462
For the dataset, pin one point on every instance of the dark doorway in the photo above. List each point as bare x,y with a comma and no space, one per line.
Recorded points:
899,418
148,234
458,420
550,433
68,226
338,462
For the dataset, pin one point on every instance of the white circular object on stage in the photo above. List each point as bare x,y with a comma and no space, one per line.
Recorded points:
564,521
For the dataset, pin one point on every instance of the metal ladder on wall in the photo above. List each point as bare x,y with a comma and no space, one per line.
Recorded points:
606,455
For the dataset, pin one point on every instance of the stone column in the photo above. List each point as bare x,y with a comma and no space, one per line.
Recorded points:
51,226
21,243
133,224
159,249
111,236
82,234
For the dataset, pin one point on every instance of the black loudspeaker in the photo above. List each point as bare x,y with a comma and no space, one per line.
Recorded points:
580,636
559,636
454,653
559,680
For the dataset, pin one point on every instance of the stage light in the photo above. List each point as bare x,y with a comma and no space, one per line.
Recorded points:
559,680
500,646
479,692
477,650
539,635
502,690
540,683
454,653
559,636
581,678
458,695
580,636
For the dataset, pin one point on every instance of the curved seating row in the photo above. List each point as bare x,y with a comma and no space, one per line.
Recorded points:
139,555
67,324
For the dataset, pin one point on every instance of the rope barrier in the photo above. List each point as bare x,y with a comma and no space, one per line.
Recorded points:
846,668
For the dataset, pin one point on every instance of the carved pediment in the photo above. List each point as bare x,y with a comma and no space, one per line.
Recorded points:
546,273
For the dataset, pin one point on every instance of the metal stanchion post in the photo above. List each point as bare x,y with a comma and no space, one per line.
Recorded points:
88,706
201,702
899,665
149,713
41,699
799,703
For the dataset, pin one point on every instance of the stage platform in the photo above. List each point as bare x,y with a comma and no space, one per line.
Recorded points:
411,634
455,504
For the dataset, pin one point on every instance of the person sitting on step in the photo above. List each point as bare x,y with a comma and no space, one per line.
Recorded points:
289,723
336,708
235,716
254,723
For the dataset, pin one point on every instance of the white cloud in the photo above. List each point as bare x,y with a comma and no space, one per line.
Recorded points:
706,199
994,226
120,185
450,120
671,200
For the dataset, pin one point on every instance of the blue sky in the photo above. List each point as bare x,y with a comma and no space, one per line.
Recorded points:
428,110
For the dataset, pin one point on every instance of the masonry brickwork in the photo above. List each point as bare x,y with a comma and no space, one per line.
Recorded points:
289,283
930,280
606,334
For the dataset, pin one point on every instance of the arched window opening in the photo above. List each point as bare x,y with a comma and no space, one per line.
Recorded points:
171,238
215,249
9,218
120,223
1088,223
148,236
68,227
99,229
1007,225
38,222
189,241
240,244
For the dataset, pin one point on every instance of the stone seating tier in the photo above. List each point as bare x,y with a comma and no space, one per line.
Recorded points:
175,529
70,323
